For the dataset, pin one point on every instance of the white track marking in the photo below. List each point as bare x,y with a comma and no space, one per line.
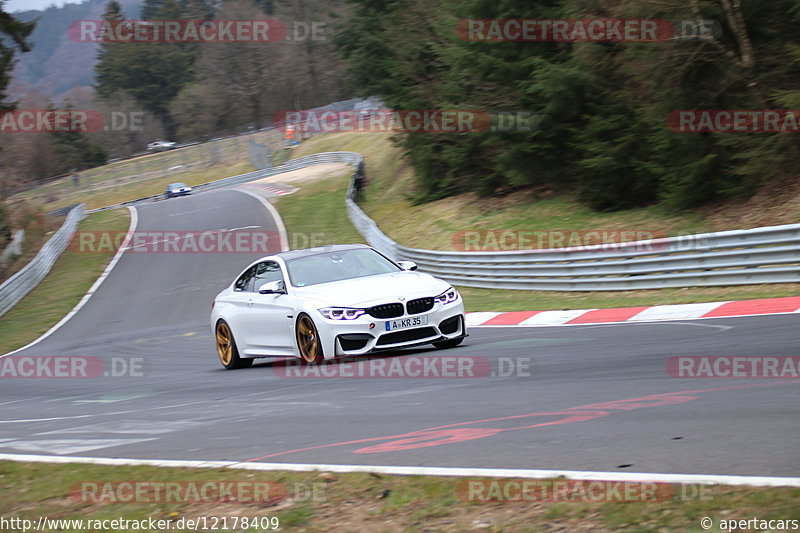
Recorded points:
700,479
22,400
275,216
66,446
622,322
553,318
675,312
125,427
51,419
93,289
479,317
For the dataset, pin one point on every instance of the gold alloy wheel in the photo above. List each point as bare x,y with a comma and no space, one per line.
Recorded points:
307,339
224,343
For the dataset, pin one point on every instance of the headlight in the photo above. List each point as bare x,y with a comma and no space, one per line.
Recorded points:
341,313
447,297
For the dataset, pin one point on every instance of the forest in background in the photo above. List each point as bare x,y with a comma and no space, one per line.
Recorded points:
602,106
183,92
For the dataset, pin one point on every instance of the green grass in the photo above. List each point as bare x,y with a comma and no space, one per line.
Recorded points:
315,214
71,276
369,502
437,225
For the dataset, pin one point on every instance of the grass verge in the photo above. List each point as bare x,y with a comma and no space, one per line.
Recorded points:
370,502
437,225
315,215
71,276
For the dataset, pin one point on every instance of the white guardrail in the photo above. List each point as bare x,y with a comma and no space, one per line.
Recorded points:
17,286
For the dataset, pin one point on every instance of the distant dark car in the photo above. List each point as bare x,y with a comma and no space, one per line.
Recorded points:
177,189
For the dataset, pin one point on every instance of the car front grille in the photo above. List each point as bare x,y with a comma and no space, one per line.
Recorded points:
420,305
386,311
406,335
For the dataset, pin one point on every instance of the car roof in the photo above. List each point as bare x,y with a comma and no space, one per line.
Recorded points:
296,254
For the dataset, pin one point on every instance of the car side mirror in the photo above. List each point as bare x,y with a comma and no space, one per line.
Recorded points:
407,265
273,287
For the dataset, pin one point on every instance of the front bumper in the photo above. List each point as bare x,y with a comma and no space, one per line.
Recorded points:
356,337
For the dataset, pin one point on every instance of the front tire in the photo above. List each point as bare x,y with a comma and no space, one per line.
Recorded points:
226,348
308,342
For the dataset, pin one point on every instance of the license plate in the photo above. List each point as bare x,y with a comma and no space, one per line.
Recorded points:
405,323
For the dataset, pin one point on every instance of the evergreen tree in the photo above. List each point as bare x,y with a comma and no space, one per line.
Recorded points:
151,73
75,151
17,32
601,107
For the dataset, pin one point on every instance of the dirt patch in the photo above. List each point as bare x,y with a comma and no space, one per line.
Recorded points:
774,204
309,174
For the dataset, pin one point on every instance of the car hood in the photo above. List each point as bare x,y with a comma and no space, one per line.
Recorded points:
372,290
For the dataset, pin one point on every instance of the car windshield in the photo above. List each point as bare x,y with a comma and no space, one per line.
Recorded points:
337,266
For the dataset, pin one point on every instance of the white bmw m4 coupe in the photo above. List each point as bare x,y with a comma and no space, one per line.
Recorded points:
332,301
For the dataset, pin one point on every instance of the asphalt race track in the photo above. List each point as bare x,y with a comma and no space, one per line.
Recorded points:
576,398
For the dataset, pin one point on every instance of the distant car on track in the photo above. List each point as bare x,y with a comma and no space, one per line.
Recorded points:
331,301
177,189
160,146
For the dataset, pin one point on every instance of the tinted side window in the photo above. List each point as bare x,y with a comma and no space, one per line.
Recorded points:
245,281
266,272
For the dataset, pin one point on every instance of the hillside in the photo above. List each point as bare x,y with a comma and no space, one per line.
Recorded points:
392,185
57,64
